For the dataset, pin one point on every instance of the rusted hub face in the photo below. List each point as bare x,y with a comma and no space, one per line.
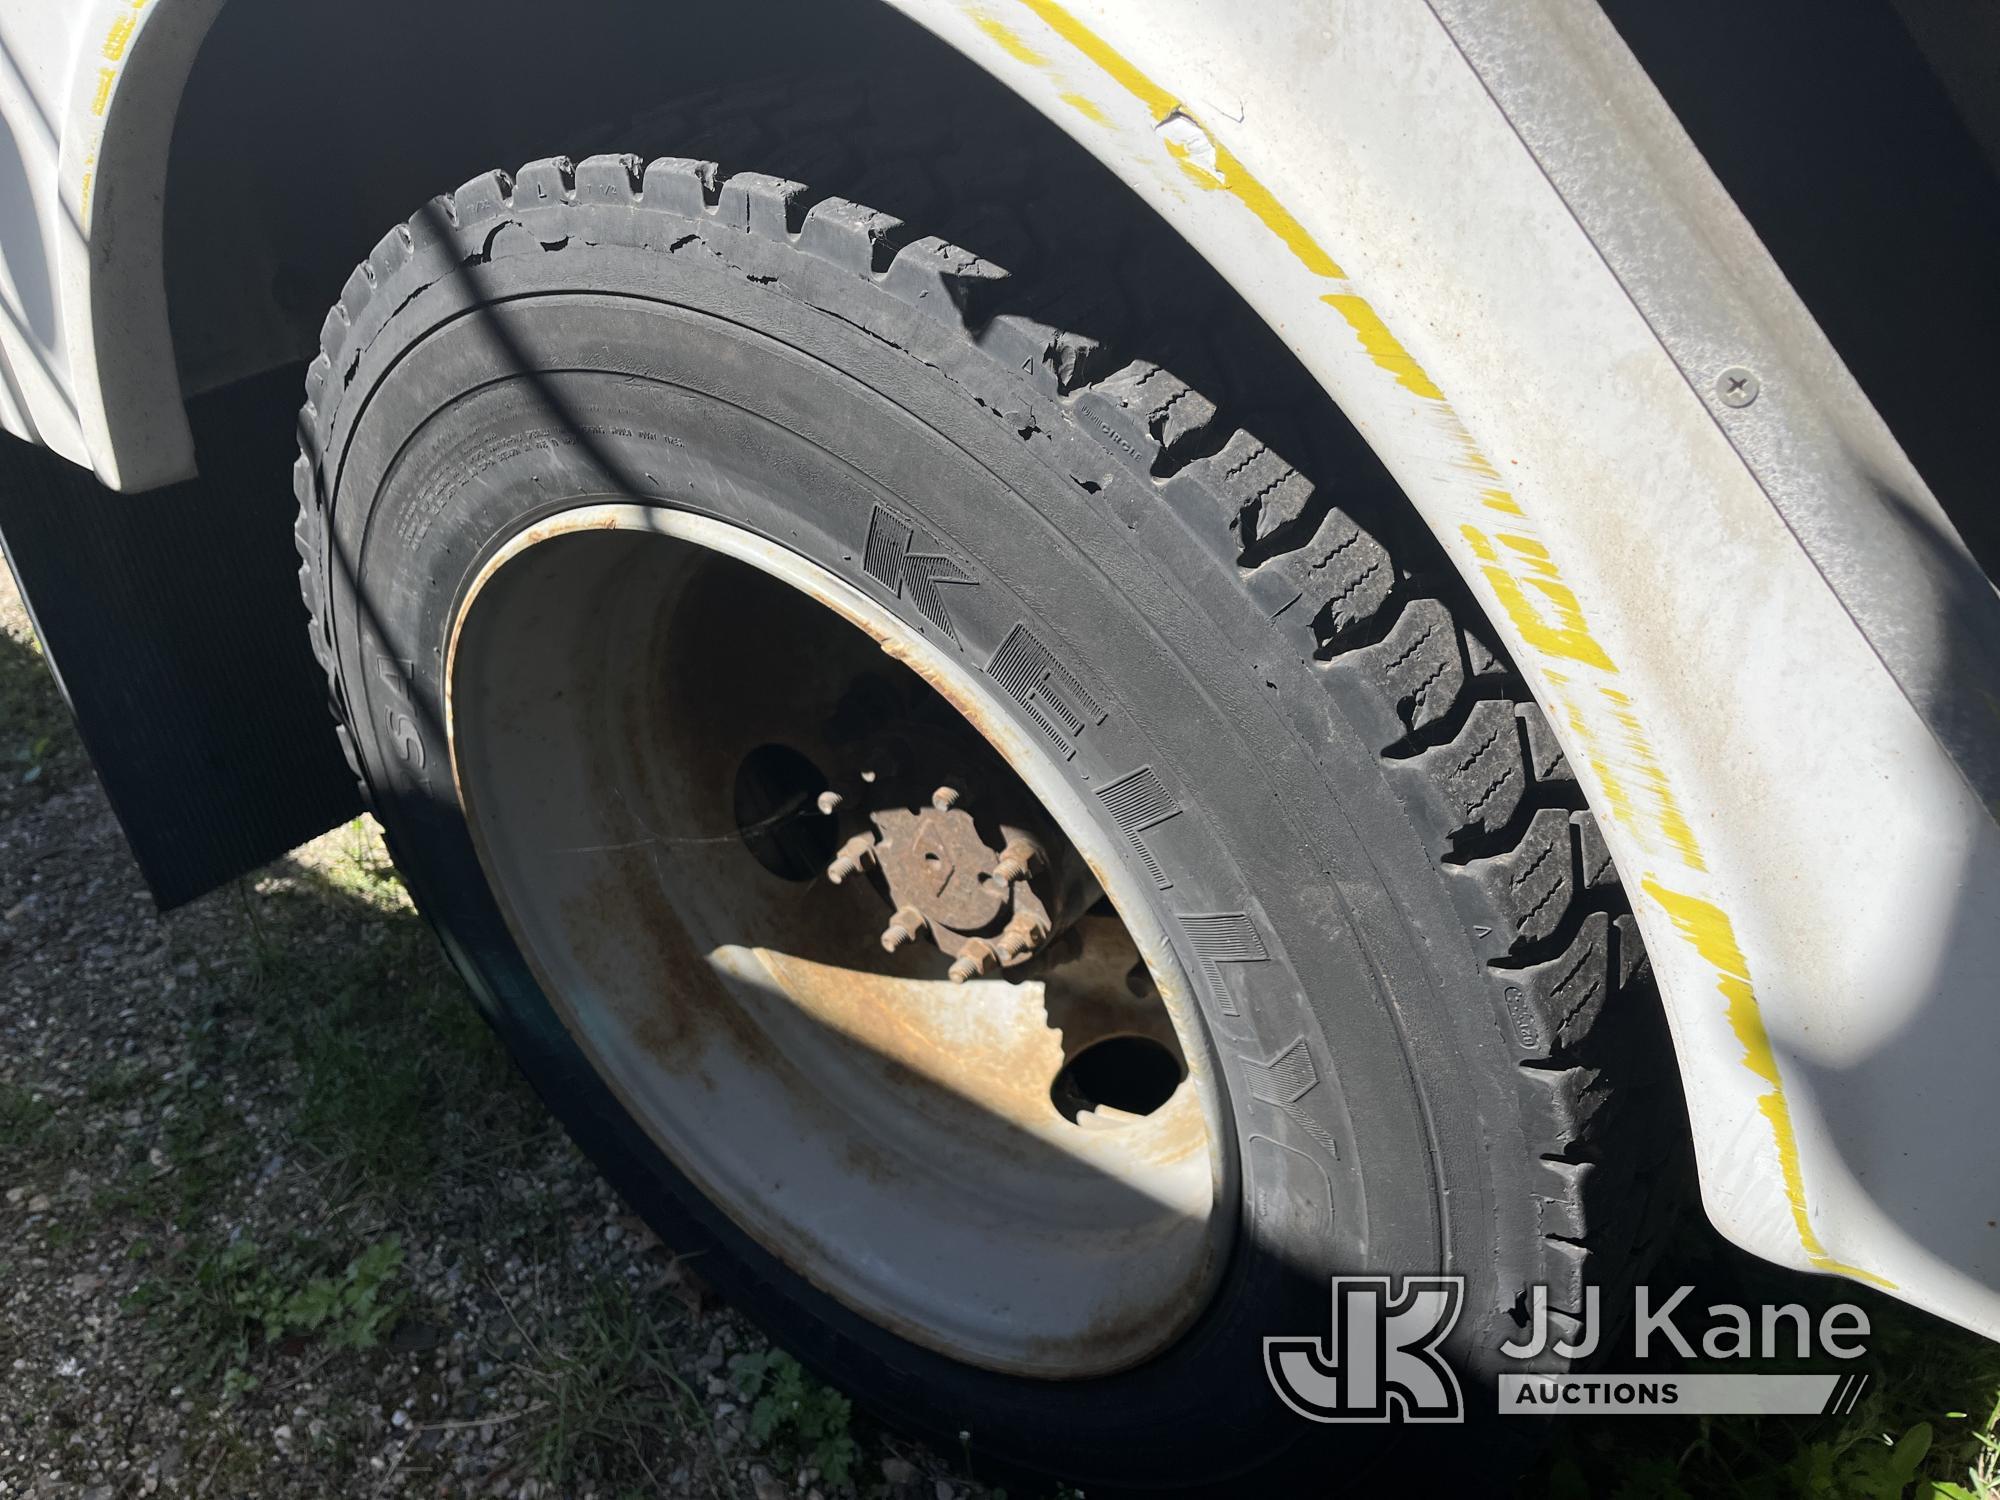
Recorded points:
843,940
965,857
936,863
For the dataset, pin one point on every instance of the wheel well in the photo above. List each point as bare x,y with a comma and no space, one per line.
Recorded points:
303,133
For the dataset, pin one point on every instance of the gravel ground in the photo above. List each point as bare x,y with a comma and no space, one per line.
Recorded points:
280,1220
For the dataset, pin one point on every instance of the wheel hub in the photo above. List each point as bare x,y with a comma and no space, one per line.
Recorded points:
982,900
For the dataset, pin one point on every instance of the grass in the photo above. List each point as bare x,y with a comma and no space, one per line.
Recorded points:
222,1302
39,752
612,1409
396,1076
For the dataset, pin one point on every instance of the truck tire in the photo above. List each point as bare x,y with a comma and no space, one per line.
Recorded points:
1423,1013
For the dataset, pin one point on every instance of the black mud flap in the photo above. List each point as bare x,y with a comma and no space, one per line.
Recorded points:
174,625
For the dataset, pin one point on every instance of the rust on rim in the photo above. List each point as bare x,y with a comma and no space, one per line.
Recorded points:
842,938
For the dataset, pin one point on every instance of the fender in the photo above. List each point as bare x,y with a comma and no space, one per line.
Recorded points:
1483,231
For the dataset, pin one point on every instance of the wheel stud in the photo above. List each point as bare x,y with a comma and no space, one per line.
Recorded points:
1022,935
976,958
853,855
945,798
903,927
1017,861
829,802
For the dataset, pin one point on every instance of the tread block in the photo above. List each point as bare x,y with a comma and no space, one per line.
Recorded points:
549,182
392,252
1055,360
1567,993
333,332
1565,1186
1148,413
681,185
772,208
357,290
433,235
1567,1269
1269,492
613,179
1535,881
851,236
1482,772
1545,753
1481,659
1594,855
481,198
1345,572
1630,963
1418,664
934,272
1572,1097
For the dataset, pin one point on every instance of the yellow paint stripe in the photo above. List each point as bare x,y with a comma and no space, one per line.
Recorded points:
1009,41
1670,820
1232,177
1107,57
1229,174
101,100
1567,635
1087,108
119,34
1706,926
1533,552
1383,346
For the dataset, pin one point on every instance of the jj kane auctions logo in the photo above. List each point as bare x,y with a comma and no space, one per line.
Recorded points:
1380,1361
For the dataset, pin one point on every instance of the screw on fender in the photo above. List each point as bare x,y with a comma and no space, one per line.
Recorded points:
1737,386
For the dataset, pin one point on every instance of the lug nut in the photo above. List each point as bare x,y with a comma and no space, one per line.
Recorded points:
945,798
829,802
904,926
853,854
973,960
1017,861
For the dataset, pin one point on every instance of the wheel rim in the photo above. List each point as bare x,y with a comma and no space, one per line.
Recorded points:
1028,1169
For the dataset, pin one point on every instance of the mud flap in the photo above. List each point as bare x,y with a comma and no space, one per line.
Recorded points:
174,625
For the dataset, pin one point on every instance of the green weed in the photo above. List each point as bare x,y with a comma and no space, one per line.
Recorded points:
222,1304
794,1414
